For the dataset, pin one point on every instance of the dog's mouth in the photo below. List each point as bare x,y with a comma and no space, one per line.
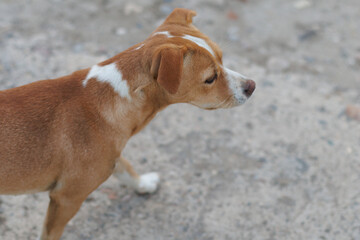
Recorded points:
233,101
240,100
229,102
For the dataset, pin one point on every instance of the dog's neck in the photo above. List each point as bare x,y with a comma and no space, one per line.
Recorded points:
127,103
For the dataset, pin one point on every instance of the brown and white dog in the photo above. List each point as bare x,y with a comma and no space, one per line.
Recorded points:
66,135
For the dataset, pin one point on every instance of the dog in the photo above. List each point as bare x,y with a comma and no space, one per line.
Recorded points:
66,135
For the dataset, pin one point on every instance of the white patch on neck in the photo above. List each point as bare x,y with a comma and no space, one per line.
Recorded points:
139,47
198,41
166,33
235,80
110,74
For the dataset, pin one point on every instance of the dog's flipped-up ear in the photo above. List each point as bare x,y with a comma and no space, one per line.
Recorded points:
180,16
167,67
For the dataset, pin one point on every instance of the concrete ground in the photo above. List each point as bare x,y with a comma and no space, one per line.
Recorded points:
285,166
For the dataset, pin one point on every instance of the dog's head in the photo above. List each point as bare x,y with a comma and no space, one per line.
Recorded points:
188,66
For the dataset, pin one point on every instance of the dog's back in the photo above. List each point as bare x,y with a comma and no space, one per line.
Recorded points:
27,126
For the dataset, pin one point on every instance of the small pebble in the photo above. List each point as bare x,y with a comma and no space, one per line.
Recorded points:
277,64
262,160
132,8
357,59
219,2
267,83
302,4
77,48
139,25
322,109
121,31
308,35
309,60
323,122
232,15
303,165
111,194
233,33
126,198
353,112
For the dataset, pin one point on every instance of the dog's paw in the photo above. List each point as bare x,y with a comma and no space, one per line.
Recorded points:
148,183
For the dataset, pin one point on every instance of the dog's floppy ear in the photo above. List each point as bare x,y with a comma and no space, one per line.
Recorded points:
167,67
181,16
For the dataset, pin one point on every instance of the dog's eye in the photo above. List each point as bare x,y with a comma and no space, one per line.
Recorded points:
212,79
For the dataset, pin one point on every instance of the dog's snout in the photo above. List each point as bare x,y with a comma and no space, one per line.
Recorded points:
249,87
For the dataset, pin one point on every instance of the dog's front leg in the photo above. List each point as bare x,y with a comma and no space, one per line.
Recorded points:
63,205
66,198
146,183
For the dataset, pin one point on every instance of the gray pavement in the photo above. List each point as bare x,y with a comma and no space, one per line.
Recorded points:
285,166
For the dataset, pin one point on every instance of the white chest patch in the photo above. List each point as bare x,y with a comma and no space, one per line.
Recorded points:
198,41
110,74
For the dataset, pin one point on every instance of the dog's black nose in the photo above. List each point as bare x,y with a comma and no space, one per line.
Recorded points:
249,87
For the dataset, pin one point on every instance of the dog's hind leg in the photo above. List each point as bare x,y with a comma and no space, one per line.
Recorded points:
146,183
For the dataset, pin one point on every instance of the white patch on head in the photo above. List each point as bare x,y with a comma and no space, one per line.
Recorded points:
235,74
235,81
148,183
198,41
139,47
110,74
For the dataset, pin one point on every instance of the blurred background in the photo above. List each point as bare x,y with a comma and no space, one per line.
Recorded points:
284,166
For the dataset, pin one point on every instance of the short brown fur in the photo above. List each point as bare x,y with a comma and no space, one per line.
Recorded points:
66,138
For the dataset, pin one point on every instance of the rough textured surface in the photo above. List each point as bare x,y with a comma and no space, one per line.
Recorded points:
284,166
